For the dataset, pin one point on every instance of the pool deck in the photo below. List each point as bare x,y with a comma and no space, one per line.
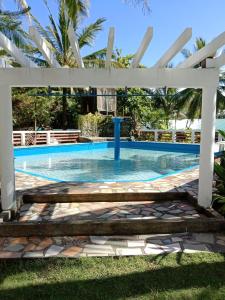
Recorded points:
181,182
79,246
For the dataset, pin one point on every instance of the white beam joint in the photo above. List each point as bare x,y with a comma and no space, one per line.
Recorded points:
207,51
110,47
175,48
143,47
217,62
43,47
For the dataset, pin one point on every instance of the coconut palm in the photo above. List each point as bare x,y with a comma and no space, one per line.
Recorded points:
57,37
165,100
190,100
10,26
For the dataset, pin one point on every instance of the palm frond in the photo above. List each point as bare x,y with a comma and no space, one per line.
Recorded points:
88,34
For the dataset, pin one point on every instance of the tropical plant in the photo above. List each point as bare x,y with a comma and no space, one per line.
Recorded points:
57,37
166,100
219,169
11,27
190,100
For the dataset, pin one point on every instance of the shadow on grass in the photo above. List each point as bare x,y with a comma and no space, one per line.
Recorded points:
197,281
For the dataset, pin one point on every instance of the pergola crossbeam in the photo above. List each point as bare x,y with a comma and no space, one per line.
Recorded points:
75,46
43,47
143,47
217,62
15,52
110,47
174,49
208,51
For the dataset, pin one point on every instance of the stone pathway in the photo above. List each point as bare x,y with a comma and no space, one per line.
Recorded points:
62,212
79,246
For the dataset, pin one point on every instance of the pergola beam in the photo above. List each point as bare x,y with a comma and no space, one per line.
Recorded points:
207,51
143,47
174,49
75,46
113,78
217,62
15,52
43,47
110,47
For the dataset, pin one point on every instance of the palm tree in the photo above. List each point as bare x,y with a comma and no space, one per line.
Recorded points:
190,100
57,37
165,100
10,26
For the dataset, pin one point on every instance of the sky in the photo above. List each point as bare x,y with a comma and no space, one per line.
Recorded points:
167,17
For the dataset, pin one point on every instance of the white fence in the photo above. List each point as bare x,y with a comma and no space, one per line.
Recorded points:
26,138
175,136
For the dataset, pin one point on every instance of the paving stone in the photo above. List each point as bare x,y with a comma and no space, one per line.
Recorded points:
19,240
138,243
153,249
7,254
72,251
220,242
175,247
105,249
189,248
53,250
162,208
45,243
128,251
33,254
14,248
100,240
204,237
220,237
176,239
176,211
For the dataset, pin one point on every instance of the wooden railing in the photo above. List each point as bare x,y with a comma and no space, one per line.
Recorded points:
27,138
175,136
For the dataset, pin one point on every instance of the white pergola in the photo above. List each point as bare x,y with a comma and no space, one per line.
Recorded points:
182,76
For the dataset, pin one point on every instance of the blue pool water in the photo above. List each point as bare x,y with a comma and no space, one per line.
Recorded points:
95,162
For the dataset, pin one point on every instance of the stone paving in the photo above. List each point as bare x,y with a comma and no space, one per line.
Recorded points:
184,181
79,246
63,212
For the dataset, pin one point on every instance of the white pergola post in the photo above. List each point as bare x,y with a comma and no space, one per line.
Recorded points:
207,146
6,150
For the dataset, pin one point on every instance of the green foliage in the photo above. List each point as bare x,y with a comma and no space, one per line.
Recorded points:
219,195
88,124
30,110
137,105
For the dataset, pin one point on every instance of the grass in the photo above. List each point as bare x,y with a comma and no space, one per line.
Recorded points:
173,276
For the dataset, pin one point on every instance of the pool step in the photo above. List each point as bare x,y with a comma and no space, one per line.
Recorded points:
104,197
122,214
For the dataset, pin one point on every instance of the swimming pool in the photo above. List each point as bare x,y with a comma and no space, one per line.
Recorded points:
94,162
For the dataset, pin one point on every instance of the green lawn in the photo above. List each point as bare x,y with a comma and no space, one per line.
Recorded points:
174,276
